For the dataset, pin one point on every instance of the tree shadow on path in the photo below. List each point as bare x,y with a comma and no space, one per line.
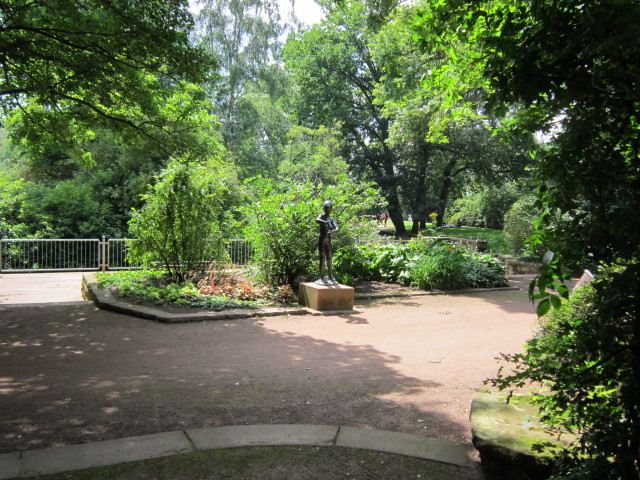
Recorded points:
77,374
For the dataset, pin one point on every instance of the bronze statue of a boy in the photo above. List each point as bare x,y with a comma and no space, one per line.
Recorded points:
328,227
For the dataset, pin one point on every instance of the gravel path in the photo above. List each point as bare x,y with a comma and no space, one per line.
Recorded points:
73,373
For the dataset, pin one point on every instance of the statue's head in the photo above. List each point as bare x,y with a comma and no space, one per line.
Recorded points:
327,205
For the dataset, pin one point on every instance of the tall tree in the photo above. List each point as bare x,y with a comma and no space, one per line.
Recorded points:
437,149
336,74
69,65
245,36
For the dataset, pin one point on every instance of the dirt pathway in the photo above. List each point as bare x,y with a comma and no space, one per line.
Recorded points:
72,374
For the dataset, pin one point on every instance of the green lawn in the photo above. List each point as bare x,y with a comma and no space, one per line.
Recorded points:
473,233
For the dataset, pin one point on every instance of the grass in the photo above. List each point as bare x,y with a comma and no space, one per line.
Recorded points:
474,233
274,462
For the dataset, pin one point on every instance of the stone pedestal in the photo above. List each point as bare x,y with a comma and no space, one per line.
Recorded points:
326,297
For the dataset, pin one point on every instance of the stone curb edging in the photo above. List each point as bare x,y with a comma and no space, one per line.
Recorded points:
111,452
104,299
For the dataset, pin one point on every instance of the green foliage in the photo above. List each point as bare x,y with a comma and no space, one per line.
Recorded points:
467,211
448,267
283,231
568,68
180,222
67,210
12,191
314,155
428,264
440,270
334,68
378,262
158,287
484,208
518,223
70,66
252,96
579,361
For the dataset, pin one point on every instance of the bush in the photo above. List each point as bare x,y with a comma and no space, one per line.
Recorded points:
518,223
179,223
425,263
452,268
386,262
580,362
442,271
485,208
466,211
484,271
284,233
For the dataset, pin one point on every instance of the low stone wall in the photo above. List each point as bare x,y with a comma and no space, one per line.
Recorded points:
518,267
505,435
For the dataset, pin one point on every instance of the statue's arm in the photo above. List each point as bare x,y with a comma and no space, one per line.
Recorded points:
334,226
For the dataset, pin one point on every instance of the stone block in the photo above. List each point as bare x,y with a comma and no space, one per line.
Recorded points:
326,297
505,434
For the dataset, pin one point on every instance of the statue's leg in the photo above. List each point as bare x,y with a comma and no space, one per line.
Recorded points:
321,252
330,262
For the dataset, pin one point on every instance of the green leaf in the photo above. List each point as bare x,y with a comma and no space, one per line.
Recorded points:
543,307
563,290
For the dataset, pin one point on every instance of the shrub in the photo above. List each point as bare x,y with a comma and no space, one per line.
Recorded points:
284,233
518,223
580,362
179,224
425,263
388,262
484,271
484,208
441,270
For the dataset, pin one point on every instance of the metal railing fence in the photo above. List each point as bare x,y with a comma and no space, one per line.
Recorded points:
37,255
28,255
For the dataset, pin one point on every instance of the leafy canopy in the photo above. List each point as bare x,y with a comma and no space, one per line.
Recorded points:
69,65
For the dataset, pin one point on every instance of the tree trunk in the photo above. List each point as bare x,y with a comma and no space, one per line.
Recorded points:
393,200
395,211
447,179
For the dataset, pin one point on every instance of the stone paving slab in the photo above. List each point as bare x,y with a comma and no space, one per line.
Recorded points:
245,435
405,444
110,452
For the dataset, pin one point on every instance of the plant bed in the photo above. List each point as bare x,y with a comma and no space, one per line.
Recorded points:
215,291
